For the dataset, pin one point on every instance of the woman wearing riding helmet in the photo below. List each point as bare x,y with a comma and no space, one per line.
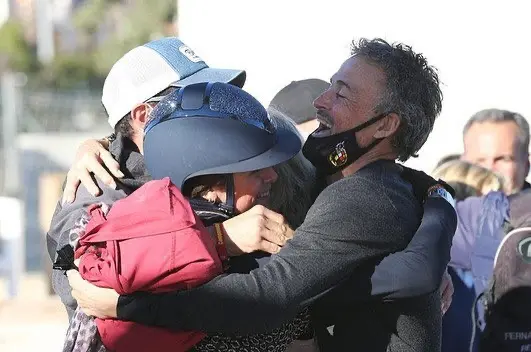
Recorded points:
228,145
217,144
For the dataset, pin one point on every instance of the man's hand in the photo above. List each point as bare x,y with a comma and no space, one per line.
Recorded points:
257,229
94,301
89,157
447,291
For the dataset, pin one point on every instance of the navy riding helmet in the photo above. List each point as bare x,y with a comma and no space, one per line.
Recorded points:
213,128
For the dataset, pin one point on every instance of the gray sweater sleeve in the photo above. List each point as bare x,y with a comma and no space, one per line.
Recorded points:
63,220
57,237
342,231
418,269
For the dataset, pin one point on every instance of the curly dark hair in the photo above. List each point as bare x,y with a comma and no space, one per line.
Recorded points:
412,91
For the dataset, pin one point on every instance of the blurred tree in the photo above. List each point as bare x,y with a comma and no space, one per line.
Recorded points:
107,30
89,18
15,52
70,71
137,23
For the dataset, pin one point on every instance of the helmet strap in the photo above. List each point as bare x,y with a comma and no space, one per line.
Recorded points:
210,212
228,206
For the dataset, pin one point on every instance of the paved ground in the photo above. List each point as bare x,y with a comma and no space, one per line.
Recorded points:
33,321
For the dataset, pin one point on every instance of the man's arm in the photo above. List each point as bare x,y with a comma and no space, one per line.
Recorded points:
414,271
418,269
342,231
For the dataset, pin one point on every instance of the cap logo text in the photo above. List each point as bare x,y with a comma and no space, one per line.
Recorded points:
189,53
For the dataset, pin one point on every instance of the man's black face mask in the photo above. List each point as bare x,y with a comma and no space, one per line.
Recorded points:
333,153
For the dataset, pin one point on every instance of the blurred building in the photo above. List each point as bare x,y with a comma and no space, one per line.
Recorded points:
41,126
27,11
4,11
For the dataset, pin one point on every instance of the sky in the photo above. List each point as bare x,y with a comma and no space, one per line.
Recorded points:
480,48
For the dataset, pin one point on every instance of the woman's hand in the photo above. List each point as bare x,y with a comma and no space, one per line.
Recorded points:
93,300
258,229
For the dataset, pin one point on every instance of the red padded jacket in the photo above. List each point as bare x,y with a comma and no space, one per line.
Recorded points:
150,241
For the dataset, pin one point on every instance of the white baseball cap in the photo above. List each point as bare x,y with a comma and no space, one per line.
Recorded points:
147,70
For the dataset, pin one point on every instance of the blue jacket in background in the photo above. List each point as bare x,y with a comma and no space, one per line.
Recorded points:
480,230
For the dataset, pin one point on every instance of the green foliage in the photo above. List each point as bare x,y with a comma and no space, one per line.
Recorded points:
106,30
15,52
135,25
70,71
89,16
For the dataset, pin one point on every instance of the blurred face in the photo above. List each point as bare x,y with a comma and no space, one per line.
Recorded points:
495,147
350,100
250,188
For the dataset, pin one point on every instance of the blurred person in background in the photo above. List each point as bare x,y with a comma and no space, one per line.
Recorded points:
468,180
499,140
296,102
483,223
268,296
446,159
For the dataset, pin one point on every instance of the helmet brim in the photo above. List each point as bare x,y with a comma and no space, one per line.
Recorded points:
211,146
287,145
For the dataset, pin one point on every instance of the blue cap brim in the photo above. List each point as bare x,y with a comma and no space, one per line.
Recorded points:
208,74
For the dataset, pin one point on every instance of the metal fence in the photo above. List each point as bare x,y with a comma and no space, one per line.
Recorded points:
30,110
56,111
48,110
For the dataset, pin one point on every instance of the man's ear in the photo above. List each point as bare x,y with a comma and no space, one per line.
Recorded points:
140,115
387,126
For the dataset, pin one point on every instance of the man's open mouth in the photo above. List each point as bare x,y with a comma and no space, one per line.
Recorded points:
323,130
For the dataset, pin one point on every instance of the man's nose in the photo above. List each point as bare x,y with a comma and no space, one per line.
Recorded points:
322,102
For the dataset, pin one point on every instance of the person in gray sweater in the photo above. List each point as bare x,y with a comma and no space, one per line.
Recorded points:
381,106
